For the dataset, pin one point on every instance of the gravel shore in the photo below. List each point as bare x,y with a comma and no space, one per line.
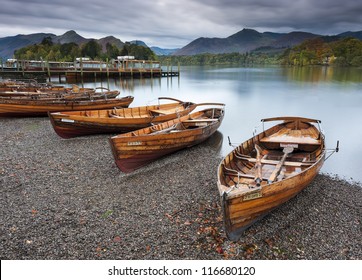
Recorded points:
66,199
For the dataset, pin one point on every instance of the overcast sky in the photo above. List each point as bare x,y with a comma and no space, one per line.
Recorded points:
175,23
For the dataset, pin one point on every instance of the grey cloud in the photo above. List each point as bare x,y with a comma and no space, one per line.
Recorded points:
169,23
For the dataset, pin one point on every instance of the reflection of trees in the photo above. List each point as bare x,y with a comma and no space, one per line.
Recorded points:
323,73
131,84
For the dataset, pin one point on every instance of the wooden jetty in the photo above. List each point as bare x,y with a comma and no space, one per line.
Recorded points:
123,66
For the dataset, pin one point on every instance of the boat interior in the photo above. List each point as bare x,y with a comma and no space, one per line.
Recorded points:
191,121
273,156
136,112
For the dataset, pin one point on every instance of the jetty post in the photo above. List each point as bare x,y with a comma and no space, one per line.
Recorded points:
81,67
23,68
48,67
42,64
107,68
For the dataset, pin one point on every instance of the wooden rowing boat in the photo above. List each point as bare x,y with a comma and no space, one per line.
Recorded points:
19,87
34,108
138,148
78,123
49,93
268,170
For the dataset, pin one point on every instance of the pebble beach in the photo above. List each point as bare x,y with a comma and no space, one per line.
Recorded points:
66,199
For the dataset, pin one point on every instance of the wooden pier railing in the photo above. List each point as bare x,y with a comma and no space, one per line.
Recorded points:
72,71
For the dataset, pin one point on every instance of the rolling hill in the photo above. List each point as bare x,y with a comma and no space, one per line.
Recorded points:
243,41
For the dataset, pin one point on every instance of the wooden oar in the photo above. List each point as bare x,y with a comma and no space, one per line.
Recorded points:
165,130
258,176
210,104
170,98
278,167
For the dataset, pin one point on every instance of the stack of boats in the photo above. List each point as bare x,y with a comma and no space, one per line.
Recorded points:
27,99
147,132
257,176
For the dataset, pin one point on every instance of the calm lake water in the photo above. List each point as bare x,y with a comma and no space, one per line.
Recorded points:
333,95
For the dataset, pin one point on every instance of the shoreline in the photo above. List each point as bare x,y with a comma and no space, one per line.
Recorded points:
66,199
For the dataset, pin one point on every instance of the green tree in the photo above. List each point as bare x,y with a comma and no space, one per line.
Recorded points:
91,49
47,41
69,51
139,52
112,51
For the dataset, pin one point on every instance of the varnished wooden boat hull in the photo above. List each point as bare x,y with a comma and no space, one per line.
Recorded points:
132,152
36,108
136,161
71,130
90,94
253,210
79,123
242,208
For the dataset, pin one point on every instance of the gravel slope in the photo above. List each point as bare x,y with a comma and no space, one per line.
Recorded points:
66,199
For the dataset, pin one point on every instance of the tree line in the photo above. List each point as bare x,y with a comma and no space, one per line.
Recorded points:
249,58
318,51
49,51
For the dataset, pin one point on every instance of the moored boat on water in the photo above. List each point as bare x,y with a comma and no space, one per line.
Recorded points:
268,170
78,123
138,148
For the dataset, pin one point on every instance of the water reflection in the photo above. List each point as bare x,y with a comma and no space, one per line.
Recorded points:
333,95
323,74
215,142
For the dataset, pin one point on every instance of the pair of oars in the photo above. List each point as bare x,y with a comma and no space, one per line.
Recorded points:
258,165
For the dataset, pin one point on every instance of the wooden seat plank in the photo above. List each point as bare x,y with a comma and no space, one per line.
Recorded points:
275,162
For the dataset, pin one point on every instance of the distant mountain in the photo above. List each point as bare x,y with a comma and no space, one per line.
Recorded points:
156,50
160,51
111,40
357,34
69,37
138,43
73,37
244,41
292,39
203,45
9,44
249,39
